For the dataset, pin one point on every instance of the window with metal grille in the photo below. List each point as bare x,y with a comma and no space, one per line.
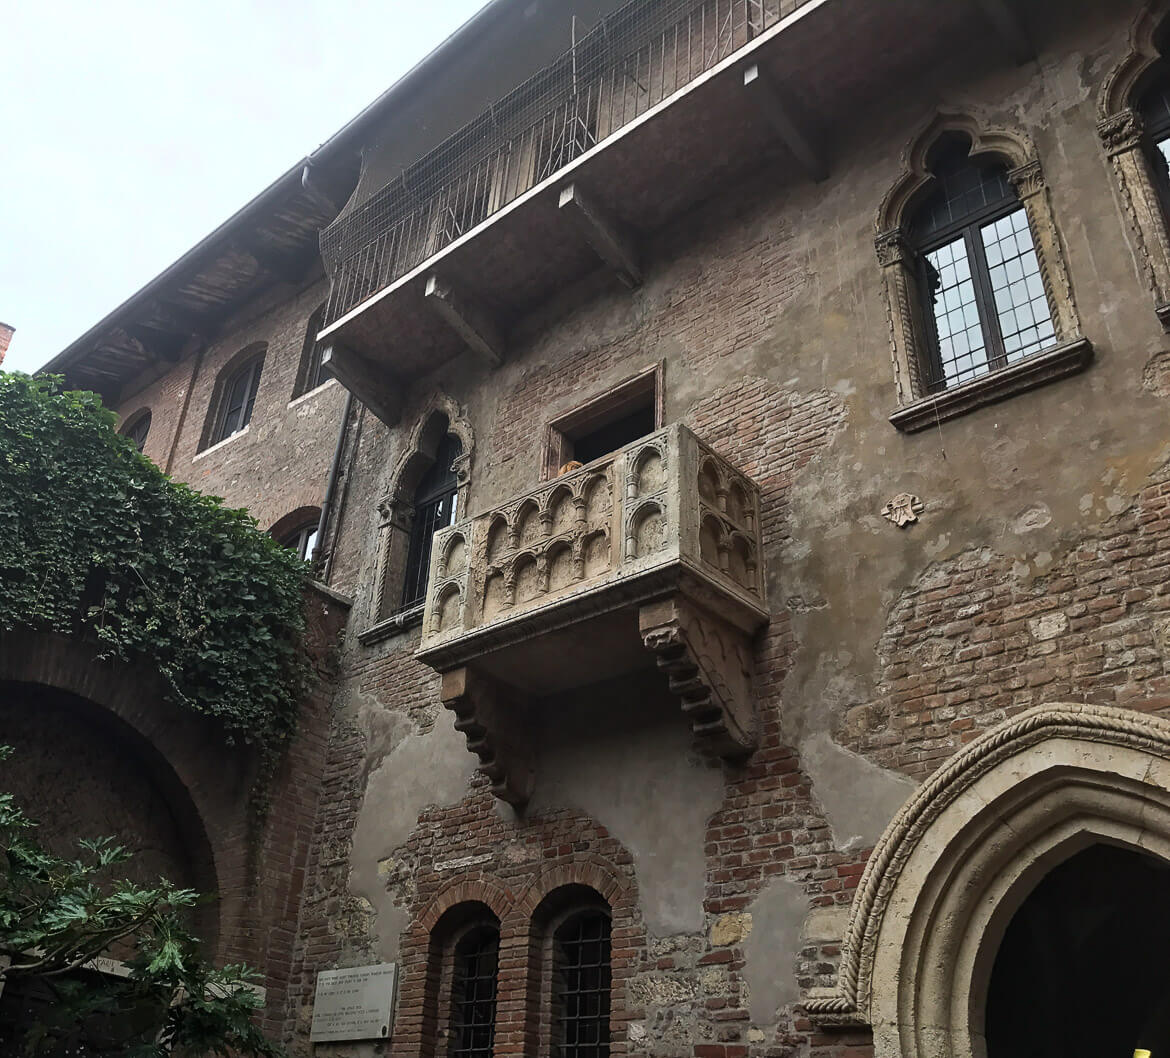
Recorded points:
982,290
137,430
239,398
581,986
473,993
435,502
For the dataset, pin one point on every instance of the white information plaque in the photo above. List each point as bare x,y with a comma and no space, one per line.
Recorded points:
354,1004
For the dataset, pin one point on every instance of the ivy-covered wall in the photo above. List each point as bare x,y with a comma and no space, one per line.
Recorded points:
96,542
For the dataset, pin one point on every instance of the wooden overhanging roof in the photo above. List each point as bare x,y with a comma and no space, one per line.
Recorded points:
273,239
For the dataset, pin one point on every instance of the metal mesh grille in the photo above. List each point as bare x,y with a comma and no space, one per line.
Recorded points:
473,999
581,996
631,61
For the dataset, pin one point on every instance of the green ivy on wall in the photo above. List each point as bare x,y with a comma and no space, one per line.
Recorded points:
97,542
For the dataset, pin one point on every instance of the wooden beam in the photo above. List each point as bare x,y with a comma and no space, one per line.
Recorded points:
467,319
1010,28
609,238
807,154
377,389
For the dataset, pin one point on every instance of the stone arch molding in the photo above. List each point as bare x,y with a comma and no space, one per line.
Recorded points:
1120,128
397,505
957,861
1013,148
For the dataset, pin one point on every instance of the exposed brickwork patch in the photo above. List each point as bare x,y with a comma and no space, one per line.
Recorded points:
973,642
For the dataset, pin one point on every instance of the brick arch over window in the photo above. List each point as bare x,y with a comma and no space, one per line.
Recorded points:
958,860
303,519
424,996
897,256
440,416
183,755
1123,133
554,897
252,355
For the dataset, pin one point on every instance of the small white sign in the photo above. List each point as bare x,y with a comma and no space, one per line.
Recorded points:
354,1004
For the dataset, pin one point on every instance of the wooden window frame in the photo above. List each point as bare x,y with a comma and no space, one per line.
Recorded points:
625,395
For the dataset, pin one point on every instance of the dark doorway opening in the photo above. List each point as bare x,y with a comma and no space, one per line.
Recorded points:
1084,967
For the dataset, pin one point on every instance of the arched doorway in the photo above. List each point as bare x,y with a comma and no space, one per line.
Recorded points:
1082,967
81,772
964,856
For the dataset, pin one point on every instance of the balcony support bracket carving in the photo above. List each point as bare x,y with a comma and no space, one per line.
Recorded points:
807,153
470,321
372,386
612,242
708,661
481,706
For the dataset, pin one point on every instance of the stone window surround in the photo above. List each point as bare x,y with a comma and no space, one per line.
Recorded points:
649,380
396,512
523,1005
1122,134
963,853
1071,353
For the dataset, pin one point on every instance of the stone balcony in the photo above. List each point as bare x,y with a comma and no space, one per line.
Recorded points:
652,553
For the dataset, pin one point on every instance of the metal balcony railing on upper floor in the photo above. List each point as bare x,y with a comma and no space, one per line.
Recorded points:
628,63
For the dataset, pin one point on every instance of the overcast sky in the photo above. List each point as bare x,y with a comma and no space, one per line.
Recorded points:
129,129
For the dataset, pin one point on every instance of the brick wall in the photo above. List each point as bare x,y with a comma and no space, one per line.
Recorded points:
281,463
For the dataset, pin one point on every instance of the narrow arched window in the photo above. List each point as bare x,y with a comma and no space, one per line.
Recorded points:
436,500
137,429
238,400
581,985
983,294
473,992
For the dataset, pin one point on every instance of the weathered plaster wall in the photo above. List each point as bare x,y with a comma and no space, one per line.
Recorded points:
1032,575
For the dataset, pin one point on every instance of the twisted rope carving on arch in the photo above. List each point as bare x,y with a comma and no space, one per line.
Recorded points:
850,1001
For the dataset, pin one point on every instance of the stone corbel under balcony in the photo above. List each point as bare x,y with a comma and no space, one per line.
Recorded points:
649,558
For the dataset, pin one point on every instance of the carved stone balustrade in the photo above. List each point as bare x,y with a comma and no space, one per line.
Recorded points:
652,553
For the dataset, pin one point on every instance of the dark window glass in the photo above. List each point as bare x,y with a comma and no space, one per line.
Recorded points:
473,994
138,430
613,435
238,400
435,503
1155,112
303,540
981,284
315,373
581,984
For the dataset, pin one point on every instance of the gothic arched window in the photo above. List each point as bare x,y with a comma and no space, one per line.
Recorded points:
980,281
436,501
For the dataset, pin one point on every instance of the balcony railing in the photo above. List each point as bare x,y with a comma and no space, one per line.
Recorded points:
631,61
652,554
604,533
